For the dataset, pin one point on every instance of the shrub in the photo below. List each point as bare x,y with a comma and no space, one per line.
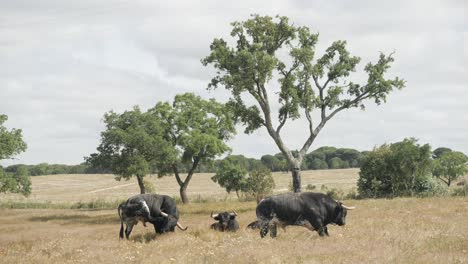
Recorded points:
399,169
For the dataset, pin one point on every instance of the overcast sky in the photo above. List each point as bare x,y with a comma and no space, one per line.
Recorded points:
63,64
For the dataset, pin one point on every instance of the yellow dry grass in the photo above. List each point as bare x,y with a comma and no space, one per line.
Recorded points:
431,230
88,187
404,230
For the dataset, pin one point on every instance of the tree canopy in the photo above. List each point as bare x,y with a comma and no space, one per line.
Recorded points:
449,166
131,144
196,130
11,141
11,144
269,48
399,169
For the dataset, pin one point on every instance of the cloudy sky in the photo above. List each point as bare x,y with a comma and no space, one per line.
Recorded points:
63,64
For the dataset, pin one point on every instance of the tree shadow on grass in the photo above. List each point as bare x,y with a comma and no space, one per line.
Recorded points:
77,219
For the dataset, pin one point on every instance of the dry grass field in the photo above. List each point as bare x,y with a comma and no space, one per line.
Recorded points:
404,230
87,187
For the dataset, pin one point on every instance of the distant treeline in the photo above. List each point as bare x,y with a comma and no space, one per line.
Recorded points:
48,169
320,159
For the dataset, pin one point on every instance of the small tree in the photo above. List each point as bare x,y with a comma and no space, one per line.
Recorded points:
196,131
131,144
260,183
450,166
11,144
231,176
248,66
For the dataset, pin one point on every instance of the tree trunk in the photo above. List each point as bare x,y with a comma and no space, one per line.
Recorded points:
184,184
141,184
183,194
296,179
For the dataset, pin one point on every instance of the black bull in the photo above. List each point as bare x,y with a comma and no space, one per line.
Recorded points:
311,210
160,210
226,222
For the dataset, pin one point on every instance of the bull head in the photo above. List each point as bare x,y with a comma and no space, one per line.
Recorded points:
178,224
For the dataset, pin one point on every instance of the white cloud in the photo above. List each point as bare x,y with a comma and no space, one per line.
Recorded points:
64,64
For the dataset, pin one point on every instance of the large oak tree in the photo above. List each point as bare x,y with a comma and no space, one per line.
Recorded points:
269,48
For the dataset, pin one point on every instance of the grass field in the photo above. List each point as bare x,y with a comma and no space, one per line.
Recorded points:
88,187
404,230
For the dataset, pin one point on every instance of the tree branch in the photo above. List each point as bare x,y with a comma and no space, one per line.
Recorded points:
309,118
176,173
280,126
196,160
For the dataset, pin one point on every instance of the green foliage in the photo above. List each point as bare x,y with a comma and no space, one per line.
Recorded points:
310,187
399,169
11,144
11,141
18,182
196,130
306,83
231,175
48,169
235,173
333,158
449,166
437,153
130,144
164,139
260,183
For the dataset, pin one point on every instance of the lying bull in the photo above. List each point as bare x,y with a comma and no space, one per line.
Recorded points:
159,210
311,210
226,222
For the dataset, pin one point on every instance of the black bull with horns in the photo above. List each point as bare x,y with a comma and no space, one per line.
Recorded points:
311,210
159,210
226,222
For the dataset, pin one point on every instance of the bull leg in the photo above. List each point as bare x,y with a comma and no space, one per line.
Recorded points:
263,229
273,230
318,226
121,235
128,230
326,230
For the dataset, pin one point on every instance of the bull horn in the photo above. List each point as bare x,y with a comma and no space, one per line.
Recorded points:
181,227
348,208
213,215
164,214
233,213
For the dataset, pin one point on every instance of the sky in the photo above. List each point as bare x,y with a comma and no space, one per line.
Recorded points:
63,64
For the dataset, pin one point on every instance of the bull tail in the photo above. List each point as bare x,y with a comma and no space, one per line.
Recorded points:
121,233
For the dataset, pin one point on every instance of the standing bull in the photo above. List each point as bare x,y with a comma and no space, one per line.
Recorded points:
160,210
311,210
226,222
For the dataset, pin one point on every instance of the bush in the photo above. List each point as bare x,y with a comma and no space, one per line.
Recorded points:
310,187
260,183
399,169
